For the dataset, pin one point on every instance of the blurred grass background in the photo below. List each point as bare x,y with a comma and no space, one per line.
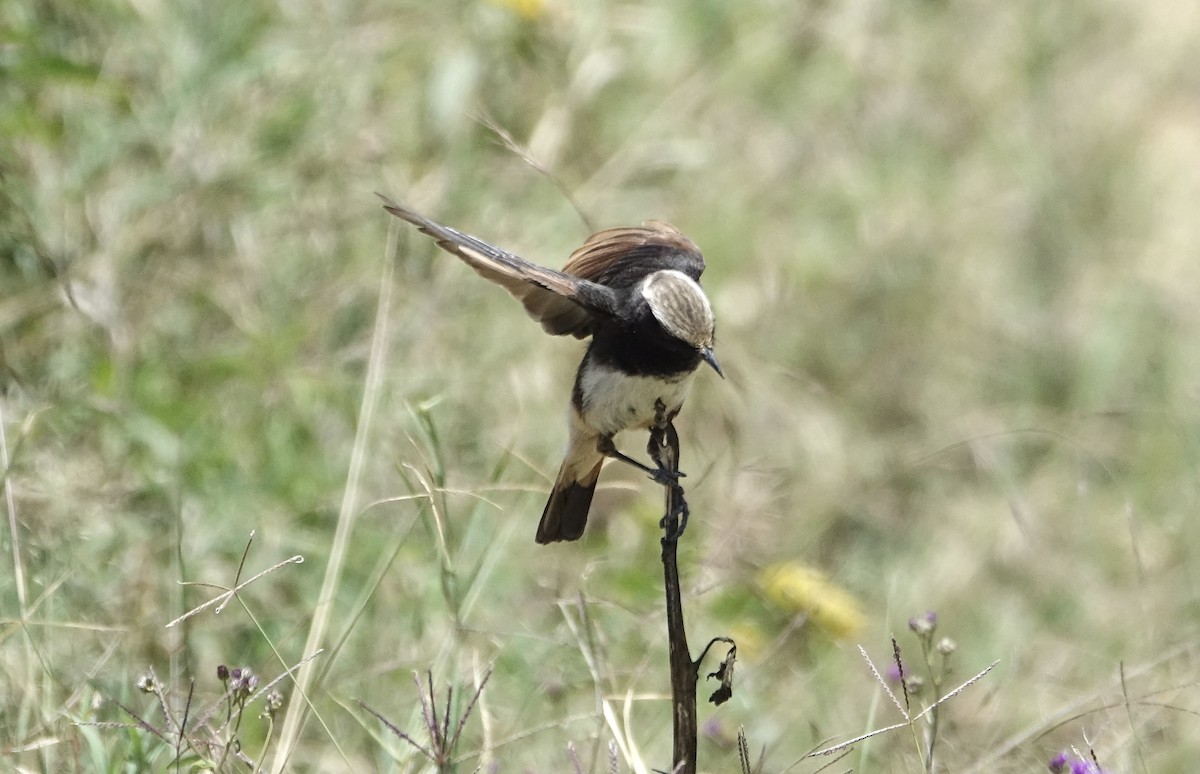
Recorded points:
954,254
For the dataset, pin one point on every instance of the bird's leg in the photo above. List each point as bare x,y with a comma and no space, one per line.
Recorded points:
660,475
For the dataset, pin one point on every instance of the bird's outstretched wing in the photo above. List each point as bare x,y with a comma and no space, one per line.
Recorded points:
563,303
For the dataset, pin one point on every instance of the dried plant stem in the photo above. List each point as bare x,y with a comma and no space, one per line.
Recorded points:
10,503
14,531
908,721
664,446
297,711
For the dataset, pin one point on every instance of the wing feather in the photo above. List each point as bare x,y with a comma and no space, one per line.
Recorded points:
564,303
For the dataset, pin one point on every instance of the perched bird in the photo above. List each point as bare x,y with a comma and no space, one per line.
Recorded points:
636,293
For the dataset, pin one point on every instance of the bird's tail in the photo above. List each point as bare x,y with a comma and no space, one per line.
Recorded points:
566,511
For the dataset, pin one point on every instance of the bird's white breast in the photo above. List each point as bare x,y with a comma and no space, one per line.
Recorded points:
614,401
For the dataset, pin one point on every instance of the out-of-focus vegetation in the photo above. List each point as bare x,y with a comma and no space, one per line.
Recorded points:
954,253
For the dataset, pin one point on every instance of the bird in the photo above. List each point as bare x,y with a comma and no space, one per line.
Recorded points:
635,292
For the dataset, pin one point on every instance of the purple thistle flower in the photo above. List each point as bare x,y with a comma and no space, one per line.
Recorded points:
924,625
1065,764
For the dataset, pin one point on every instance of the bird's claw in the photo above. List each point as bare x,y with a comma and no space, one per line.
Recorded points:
675,523
665,477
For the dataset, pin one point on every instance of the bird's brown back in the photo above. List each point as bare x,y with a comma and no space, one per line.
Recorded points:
622,257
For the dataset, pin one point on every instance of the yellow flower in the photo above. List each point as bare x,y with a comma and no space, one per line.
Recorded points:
797,588
530,10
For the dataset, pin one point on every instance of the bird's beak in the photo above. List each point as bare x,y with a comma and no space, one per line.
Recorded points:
711,359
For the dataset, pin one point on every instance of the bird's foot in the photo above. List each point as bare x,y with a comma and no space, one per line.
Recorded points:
667,477
674,523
